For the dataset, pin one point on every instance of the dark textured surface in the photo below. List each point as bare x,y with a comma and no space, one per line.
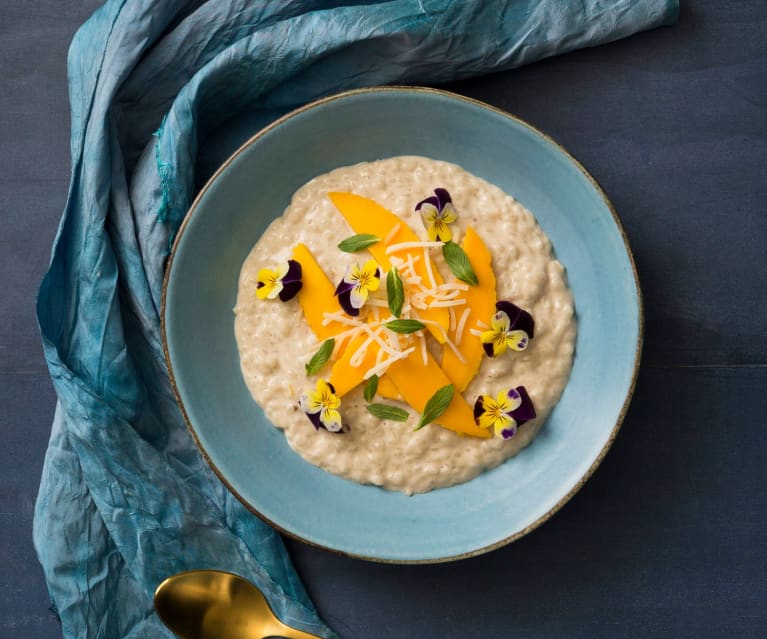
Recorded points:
667,539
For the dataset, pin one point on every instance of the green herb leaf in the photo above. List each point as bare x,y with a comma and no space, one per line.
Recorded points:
404,325
459,263
370,388
436,405
320,358
358,242
395,291
384,411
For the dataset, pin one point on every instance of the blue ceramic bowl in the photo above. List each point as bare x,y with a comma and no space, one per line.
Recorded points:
253,458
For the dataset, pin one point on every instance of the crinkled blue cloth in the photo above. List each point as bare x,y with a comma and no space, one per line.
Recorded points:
126,498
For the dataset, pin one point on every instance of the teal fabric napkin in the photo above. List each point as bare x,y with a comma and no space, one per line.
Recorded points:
125,498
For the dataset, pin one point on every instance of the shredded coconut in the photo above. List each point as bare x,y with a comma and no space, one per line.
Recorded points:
429,272
424,356
392,233
461,326
381,368
404,246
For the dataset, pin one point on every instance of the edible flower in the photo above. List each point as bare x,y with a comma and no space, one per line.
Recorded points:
353,289
437,212
505,413
321,407
283,280
510,327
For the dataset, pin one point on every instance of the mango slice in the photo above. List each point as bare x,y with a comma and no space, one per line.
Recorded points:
343,375
417,382
316,298
386,388
411,381
481,300
367,216
316,295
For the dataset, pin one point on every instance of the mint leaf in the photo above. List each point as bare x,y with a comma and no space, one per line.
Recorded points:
436,405
395,291
384,411
459,263
320,358
358,242
370,388
404,325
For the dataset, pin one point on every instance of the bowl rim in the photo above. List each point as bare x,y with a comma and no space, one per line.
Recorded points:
417,90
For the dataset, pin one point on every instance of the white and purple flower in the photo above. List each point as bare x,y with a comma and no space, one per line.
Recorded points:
504,413
357,284
284,281
321,407
510,327
437,212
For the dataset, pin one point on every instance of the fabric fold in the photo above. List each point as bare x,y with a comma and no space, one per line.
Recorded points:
125,497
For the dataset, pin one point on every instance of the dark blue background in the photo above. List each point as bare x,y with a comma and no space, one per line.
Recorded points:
668,538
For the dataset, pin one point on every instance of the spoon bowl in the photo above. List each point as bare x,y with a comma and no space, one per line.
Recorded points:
212,604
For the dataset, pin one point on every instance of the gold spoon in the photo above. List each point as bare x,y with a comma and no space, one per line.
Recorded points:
211,604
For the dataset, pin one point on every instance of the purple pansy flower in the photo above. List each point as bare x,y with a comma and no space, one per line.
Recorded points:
353,289
510,327
284,281
321,407
437,212
504,413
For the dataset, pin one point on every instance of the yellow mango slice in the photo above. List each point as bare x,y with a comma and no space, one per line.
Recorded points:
343,375
417,382
481,300
367,216
386,388
316,298
410,380
316,295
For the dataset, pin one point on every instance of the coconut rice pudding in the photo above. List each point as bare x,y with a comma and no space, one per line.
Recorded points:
429,347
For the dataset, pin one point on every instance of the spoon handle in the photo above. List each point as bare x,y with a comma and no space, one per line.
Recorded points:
281,630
